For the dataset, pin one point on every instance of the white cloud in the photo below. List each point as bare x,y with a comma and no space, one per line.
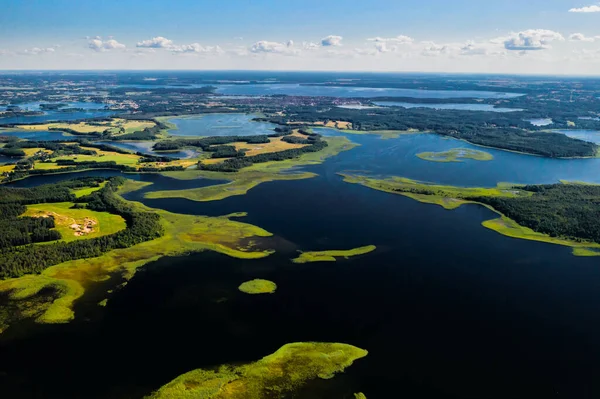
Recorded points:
38,50
265,46
594,8
310,46
331,40
155,42
580,37
531,39
196,48
389,44
432,49
97,44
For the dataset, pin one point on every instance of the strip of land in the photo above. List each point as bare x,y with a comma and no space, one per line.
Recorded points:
563,214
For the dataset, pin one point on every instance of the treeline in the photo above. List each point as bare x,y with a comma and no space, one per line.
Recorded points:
206,143
505,130
149,133
560,210
141,226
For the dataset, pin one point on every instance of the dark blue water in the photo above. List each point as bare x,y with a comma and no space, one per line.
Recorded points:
220,125
445,307
461,107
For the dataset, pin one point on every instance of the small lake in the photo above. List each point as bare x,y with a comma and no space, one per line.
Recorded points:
345,91
90,110
220,125
593,136
146,148
460,107
38,135
540,121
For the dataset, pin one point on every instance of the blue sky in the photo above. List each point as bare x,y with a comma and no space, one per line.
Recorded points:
454,36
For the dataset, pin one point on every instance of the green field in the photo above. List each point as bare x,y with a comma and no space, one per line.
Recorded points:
71,223
258,286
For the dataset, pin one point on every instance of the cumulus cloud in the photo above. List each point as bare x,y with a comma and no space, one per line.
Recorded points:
580,37
155,42
331,40
196,48
432,49
97,44
38,50
387,44
594,8
265,46
531,39
310,46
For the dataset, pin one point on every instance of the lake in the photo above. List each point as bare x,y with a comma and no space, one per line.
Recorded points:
445,307
90,110
593,136
37,135
351,91
220,125
146,148
460,107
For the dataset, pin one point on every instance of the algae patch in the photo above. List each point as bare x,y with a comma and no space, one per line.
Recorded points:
274,376
456,155
331,255
258,286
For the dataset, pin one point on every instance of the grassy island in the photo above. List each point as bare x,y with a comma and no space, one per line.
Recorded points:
456,155
48,297
330,256
242,181
275,376
360,395
563,214
258,286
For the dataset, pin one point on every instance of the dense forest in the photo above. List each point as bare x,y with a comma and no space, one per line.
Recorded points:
494,129
559,210
17,259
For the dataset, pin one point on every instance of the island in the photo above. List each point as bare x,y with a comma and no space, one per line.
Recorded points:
258,286
332,255
456,155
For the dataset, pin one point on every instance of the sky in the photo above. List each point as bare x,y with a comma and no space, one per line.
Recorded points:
559,37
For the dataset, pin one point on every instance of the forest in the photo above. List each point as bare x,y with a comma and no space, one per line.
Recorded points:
494,129
17,259
560,210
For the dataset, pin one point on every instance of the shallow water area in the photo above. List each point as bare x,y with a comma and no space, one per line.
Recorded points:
460,107
220,125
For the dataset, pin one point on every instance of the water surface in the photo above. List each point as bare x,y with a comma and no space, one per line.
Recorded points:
461,107
220,125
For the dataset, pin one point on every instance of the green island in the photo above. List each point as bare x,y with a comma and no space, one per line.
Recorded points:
275,376
258,286
42,282
330,256
242,181
456,155
563,213
360,395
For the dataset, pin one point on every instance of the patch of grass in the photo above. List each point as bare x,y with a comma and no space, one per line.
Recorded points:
258,286
69,280
330,256
360,395
456,155
244,180
275,376
115,126
82,192
75,224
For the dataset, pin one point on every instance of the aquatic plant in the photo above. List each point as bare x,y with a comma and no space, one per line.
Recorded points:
258,286
273,376
331,255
